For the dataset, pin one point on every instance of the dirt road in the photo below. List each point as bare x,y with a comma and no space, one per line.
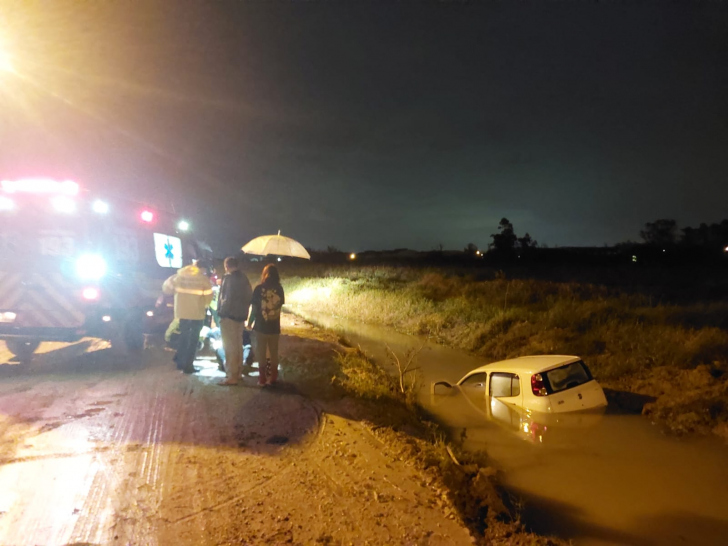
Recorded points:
98,449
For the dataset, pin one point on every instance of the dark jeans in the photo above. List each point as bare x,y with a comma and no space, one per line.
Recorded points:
189,337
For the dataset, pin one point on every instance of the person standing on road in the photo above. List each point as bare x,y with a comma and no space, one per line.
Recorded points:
268,299
233,306
192,294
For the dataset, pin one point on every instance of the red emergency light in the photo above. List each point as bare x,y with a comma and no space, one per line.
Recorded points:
40,185
147,216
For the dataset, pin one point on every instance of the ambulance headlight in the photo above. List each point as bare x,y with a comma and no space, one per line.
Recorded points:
90,267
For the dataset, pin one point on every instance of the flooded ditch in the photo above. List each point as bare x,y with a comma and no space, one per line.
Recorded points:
597,479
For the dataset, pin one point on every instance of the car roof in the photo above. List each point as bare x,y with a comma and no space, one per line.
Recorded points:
528,364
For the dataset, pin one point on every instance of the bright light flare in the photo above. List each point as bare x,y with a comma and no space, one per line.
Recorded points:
352,256
90,267
100,207
183,225
150,313
6,203
40,185
106,318
6,63
147,216
90,294
64,205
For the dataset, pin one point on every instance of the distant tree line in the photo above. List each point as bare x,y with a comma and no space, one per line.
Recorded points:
665,233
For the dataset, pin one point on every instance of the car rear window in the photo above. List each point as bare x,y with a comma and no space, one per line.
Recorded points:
569,376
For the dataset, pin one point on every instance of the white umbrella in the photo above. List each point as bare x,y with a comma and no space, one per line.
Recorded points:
276,245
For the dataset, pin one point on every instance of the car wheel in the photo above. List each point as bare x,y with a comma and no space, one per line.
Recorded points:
22,349
128,336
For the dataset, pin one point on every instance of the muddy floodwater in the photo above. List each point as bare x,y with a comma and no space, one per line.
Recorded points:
597,479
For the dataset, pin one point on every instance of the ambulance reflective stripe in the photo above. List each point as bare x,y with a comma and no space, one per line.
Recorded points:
33,315
62,298
41,300
9,290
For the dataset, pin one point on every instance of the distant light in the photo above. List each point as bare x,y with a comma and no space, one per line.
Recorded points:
90,267
40,185
90,293
634,259
100,207
664,250
279,259
183,225
352,256
147,216
106,318
150,313
725,249
6,203
65,205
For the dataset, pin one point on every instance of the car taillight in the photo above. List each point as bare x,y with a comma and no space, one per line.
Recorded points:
537,386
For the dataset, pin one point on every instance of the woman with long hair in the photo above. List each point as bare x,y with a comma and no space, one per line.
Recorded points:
268,299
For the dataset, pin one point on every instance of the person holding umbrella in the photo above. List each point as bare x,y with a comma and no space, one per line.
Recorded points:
265,317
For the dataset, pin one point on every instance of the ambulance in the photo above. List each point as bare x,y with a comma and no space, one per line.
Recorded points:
73,264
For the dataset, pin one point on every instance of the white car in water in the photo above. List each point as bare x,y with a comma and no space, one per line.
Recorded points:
547,384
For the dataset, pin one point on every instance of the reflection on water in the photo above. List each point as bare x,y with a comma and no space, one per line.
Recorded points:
596,479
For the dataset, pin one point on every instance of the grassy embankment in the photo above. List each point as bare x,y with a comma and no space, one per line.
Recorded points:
677,354
345,381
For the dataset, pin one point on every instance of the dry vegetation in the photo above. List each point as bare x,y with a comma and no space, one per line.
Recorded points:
345,380
676,353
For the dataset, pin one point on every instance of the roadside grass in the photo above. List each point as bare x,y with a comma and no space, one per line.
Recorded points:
468,485
630,341
346,381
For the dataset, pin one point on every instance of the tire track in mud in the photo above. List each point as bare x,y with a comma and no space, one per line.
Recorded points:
132,439
241,493
36,511
88,527
194,513
112,505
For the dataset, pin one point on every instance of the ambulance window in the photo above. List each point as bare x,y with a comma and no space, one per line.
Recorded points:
168,250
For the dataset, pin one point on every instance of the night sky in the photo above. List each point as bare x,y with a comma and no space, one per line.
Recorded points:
374,125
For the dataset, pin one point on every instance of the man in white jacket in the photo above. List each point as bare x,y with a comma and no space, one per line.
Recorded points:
192,294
